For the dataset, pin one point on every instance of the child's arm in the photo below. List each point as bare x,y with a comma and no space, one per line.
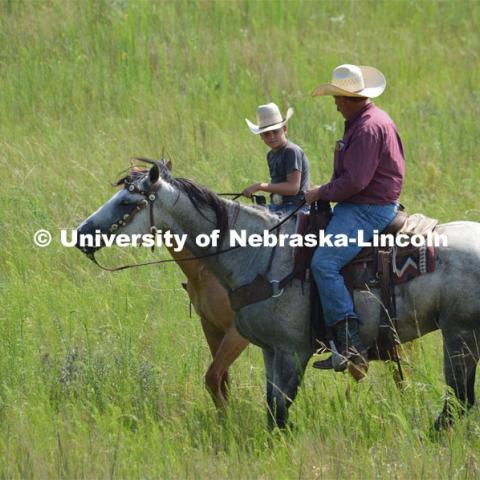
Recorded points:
290,187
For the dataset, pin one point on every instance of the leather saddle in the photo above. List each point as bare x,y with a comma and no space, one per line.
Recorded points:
318,218
374,267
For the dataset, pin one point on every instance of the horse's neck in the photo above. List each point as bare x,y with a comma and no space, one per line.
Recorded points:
232,269
191,268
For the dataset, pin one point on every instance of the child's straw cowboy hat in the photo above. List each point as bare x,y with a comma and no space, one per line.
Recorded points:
269,118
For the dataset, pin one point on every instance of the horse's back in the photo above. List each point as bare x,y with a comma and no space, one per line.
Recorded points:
455,284
448,298
461,234
460,254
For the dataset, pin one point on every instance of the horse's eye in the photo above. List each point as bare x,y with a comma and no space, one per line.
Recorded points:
127,202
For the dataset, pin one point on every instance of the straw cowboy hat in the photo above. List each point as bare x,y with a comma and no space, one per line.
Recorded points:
353,81
269,118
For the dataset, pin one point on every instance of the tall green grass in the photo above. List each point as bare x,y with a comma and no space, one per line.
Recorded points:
101,374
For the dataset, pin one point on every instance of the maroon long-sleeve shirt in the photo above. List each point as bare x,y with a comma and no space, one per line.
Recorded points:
369,165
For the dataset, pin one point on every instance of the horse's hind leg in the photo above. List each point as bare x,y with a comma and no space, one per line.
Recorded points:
461,355
288,370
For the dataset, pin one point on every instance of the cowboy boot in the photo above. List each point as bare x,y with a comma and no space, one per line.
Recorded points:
348,351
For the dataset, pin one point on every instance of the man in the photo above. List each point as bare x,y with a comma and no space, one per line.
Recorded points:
367,180
287,163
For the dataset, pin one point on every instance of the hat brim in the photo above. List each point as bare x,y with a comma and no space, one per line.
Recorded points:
375,84
257,130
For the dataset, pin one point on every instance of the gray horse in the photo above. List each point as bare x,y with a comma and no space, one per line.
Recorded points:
447,299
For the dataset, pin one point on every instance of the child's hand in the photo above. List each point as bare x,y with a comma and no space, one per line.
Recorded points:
249,191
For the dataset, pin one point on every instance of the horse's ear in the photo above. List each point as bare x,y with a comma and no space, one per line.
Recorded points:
169,165
154,174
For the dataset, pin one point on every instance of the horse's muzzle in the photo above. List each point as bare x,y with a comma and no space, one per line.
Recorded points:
87,250
86,238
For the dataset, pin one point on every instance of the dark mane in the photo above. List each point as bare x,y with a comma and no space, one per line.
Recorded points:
199,196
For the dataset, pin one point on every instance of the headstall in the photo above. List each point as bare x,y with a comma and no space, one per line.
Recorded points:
149,197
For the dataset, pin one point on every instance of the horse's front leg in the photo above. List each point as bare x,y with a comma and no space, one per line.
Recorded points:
288,370
268,357
461,355
224,351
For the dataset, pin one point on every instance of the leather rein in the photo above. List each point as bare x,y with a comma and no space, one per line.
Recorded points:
150,196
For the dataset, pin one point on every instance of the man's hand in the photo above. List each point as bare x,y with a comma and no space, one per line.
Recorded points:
249,191
312,195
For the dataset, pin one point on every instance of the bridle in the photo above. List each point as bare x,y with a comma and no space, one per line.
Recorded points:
149,197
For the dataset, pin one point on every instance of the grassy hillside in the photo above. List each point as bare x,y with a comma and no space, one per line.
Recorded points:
101,374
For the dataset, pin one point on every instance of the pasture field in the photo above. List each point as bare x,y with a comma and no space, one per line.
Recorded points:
101,375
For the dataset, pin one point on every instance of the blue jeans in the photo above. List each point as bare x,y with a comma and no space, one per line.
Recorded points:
286,208
347,219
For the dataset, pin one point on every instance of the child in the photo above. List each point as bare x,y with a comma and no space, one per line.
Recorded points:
288,165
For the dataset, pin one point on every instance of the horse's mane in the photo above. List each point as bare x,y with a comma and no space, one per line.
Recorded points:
199,196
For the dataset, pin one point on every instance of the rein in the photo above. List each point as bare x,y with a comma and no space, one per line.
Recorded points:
256,199
149,199
234,195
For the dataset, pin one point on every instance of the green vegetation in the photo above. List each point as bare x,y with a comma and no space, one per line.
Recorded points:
101,375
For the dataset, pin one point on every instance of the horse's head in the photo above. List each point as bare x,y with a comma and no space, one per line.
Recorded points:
132,202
